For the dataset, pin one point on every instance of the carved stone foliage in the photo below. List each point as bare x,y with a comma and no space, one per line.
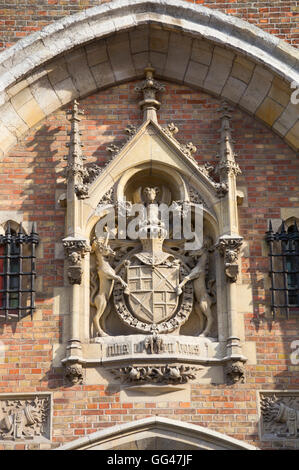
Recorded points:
75,251
156,374
280,415
25,417
229,248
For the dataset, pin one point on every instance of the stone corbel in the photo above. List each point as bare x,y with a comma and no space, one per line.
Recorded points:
74,373
75,251
235,372
229,249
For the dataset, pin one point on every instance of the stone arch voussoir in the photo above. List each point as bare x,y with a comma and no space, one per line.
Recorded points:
150,432
111,43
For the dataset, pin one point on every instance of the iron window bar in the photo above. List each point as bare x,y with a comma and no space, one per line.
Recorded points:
17,286
284,247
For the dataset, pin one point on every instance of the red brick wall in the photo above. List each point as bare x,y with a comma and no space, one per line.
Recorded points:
19,18
32,173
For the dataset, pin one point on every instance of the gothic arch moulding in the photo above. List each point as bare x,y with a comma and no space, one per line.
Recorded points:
112,43
157,433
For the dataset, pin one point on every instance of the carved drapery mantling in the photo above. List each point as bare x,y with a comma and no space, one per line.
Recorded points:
75,251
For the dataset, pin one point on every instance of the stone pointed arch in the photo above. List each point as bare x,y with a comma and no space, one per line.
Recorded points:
157,433
112,43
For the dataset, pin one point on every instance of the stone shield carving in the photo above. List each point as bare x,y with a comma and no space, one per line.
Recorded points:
152,292
154,306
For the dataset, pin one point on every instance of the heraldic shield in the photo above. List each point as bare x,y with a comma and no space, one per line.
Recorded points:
153,294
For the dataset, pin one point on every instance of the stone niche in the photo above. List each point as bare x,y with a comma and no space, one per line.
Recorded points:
153,259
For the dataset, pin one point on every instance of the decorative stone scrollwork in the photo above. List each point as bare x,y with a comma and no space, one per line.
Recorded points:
229,248
235,372
156,374
74,373
23,418
75,251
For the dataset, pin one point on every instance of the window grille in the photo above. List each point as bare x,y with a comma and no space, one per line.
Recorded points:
17,272
284,267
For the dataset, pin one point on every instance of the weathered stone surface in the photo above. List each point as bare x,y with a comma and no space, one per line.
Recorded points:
159,40
287,119
21,98
167,49
196,73
80,72
140,61
158,61
45,96
293,136
96,53
233,89
242,69
257,89
280,92
139,40
103,74
66,90
219,70
269,111
12,120
31,113
178,56
120,57
58,71
202,52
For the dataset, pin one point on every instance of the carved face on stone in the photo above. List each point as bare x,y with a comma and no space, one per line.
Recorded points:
151,194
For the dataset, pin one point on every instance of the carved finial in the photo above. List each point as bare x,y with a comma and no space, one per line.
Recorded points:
227,164
75,168
150,88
